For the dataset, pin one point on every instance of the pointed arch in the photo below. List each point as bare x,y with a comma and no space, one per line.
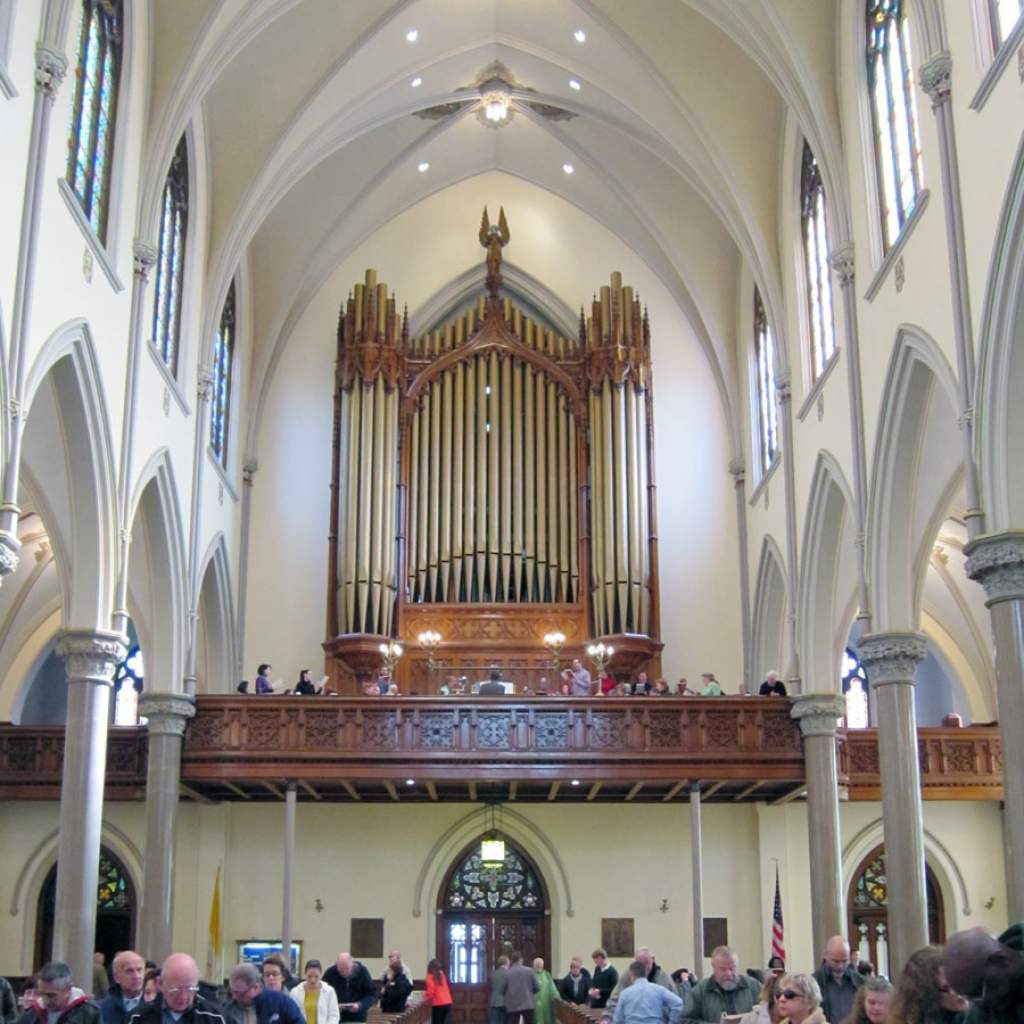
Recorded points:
915,471
216,662
770,603
828,575
67,413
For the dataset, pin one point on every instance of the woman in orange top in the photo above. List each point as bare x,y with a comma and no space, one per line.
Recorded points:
438,995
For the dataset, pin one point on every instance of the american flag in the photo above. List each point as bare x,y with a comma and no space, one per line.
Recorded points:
778,938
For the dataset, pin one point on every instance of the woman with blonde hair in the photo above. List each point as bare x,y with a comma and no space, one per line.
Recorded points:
799,1000
767,1010
871,1003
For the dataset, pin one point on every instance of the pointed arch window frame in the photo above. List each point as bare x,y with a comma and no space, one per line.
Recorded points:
765,397
223,366
172,249
820,308
92,132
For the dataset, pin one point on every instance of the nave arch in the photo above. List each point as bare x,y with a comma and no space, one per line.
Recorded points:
215,635
769,611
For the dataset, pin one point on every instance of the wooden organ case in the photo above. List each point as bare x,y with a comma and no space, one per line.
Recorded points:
493,481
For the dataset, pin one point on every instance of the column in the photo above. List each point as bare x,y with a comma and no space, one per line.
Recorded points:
817,714
167,714
890,660
996,561
289,861
737,470
90,658
51,66
784,394
696,879
936,76
249,471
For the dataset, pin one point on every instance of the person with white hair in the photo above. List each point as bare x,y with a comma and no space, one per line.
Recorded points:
772,686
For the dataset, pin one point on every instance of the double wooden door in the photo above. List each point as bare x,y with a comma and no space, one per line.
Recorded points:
469,943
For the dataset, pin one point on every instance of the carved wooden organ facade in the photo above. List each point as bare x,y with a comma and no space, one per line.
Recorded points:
492,480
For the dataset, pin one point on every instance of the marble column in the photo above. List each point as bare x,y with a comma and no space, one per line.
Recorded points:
167,715
890,660
738,472
289,862
785,397
696,880
817,714
249,470
996,561
51,66
90,658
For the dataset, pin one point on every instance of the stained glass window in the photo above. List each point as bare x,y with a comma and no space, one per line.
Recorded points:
893,113
91,136
816,269
767,410
870,889
855,689
128,681
113,891
170,264
220,400
467,944
1003,16
512,886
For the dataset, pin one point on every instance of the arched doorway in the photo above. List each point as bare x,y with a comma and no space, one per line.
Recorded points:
115,911
867,909
484,912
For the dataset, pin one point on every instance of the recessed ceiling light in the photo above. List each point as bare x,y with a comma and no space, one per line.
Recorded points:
579,35
574,84
412,35
575,782
416,82
568,168
410,782
423,167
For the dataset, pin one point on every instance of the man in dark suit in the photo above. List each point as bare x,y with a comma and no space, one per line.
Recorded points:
494,687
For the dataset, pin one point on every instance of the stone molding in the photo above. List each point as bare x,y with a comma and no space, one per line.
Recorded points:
91,655
817,713
166,714
891,658
10,553
51,67
843,262
204,383
996,561
145,257
936,77
782,387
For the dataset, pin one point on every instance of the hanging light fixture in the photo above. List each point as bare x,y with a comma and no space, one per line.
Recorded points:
496,94
492,846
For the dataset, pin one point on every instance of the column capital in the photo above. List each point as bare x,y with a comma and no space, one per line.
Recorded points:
145,256
843,261
817,713
204,383
996,561
782,387
10,553
91,655
51,67
936,77
738,470
249,470
892,657
167,714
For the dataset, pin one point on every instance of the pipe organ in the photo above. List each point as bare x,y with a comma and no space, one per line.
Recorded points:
492,479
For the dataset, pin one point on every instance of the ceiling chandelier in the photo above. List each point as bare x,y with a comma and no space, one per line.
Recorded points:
496,94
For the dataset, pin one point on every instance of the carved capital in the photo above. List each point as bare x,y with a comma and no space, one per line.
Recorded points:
892,657
996,561
145,256
817,713
204,383
17,410
738,470
10,550
843,262
51,67
936,77
783,390
91,655
249,470
167,714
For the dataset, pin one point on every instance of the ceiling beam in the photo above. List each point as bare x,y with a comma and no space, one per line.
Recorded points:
194,794
472,791
350,789
594,790
637,786
431,790
237,790
276,790
512,787
681,784
712,790
392,792
743,794
553,791
791,794
310,789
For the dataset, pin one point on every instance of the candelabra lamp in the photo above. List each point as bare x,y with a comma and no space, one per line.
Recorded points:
390,652
430,640
600,654
554,642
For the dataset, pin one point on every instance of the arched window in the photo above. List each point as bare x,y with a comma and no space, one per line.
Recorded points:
220,400
128,681
767,411
816,269
1003,17
893,114
855,690
91,138
171,259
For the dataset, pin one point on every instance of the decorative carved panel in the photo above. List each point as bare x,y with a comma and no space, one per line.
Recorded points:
721,730
494,731
379,729
551,731
665,730
608,730
437,730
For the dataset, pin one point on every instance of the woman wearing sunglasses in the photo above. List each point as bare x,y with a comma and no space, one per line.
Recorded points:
799,999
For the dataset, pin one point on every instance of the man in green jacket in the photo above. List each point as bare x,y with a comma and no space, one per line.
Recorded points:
726,991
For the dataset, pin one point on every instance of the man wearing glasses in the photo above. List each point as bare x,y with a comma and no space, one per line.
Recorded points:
178,1001
250,1003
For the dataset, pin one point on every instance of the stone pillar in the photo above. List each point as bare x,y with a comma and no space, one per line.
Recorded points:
817,714
289,861
737,470
167,715
785,396
996,561
90,659
890,660
51,66
696,880
249,471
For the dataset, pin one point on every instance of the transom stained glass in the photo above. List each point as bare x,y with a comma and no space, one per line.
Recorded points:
512,886
112,891
870,891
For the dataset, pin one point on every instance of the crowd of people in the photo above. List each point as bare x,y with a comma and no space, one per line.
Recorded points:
975,978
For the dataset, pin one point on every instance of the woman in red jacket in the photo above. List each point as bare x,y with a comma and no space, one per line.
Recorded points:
439,995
